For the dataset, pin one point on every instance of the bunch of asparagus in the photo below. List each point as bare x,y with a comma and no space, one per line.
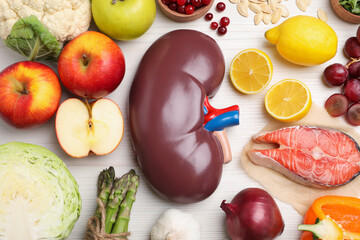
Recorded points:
118,195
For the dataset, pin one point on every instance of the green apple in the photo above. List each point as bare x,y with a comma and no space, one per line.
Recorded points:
124,19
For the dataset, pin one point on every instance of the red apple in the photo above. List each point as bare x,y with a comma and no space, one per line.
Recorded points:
30,93
91,65
82,128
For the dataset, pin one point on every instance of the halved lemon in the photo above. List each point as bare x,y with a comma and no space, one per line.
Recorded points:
288,100
251,71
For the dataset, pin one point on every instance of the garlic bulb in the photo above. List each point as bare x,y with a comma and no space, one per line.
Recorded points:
176,225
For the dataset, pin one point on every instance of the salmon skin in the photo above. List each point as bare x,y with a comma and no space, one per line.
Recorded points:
312,156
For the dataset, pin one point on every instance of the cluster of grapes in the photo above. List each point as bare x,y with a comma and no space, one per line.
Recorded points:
347,76
224,21
185,6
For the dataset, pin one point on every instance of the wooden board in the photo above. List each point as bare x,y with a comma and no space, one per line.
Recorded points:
242,34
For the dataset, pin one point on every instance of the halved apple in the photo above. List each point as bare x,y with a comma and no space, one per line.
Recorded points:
82,128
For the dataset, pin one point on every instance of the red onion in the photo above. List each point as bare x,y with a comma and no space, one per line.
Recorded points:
253,215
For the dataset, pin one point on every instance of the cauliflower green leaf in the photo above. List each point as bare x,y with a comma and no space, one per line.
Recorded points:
32,39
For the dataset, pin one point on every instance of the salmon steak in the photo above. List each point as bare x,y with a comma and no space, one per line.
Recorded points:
312,156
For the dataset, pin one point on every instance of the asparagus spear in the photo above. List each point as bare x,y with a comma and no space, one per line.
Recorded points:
123,217
105,183
118,193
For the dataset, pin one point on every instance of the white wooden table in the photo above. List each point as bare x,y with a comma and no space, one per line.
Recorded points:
242,34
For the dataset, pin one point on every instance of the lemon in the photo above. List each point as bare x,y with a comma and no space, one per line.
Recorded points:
288,100
304,40
251,71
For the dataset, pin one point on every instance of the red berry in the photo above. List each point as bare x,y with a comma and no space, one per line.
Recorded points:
352,48
222,30
166,2
181,9
173,6
353,114
220,6
209,16
214,25
189,9
173,0
196,3
336,105
336,74
181,2
354,69
206,2
351,90
224,21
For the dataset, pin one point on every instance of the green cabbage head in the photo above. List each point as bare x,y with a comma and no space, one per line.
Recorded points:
39,198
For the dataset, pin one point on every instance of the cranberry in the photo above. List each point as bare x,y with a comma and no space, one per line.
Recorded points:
181,9
224,21
188,2
181,2
220,6
196,3
209,16
173,0
214,25
222,30
173,6
166,2
189,9
206,2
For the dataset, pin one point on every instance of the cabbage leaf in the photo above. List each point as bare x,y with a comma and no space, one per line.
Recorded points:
39,197
32,39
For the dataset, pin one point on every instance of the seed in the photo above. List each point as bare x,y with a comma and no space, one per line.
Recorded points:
308,2
302,5
234,1
258,17
255,7
245,2
322,15
273,4
276,16
284,10
255,1
265,8
242,9
266,18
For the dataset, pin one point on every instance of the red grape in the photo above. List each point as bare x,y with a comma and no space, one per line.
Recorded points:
336,105
335,74
206,2
209,16
353,114
351,90
173,6
181,9
196,3
214,25
352,48
222,30
220,6
189,9
181,2
166,2
358,34
354,69
224,21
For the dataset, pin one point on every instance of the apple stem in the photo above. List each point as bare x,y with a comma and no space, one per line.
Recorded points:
85,60
89,111
114,1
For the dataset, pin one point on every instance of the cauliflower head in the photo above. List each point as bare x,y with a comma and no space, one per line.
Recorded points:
65,19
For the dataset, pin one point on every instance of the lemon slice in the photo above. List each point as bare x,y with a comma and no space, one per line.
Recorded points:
288,100
251,71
